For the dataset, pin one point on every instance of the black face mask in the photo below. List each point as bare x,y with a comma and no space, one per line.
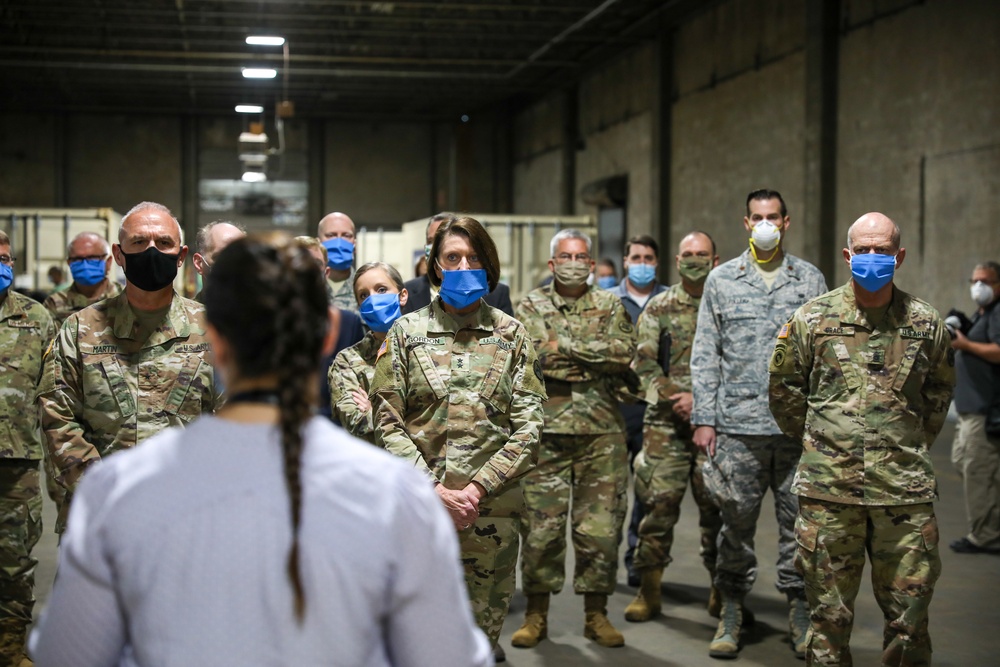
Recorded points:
150,270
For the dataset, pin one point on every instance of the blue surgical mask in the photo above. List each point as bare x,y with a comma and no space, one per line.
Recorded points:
607,282
339,254
462,288
641,275
379,311
872,271
6,277
88,271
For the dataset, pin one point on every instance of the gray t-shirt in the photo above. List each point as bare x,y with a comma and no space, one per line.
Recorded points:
977,381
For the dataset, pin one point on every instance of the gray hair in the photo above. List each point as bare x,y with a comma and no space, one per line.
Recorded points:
104,242
204,240
147,205
568,234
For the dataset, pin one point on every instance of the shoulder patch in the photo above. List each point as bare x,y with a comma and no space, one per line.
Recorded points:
381,350
626,327
785,328
537,367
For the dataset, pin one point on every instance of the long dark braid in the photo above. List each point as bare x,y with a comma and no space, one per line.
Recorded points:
267,298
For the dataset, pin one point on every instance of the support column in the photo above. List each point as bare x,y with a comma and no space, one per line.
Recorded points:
662,127
189,178
822,56
570,133
317,174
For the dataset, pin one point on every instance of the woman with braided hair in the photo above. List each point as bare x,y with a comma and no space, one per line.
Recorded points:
262,535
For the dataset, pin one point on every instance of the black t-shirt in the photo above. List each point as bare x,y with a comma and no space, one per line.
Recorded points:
977,380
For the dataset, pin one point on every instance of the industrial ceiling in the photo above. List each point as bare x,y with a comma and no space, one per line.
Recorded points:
431,59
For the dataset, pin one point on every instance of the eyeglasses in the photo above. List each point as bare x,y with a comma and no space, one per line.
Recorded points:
565,257
71,260
7,259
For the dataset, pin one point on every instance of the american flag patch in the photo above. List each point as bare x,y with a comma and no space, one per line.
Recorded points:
385,346
785,328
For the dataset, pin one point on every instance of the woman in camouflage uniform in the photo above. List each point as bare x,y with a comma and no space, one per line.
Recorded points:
458,391
378,289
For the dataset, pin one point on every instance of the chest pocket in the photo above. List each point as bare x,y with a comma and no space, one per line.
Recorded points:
498,382
436,370
908,381
189,385
842,373
108,399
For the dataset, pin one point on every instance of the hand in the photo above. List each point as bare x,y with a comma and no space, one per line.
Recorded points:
683,404
704,439
361,400
959,341
463,508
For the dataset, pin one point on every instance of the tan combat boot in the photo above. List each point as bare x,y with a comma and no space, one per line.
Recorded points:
798,625
597,626
536,624
646,604
726,643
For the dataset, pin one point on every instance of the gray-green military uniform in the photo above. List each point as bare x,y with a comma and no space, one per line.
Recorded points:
583,346
866,401
25,331
342,293
738,319
353,370
63,304
669,457
106,387
461,397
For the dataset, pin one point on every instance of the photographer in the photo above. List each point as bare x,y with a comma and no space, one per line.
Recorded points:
976,450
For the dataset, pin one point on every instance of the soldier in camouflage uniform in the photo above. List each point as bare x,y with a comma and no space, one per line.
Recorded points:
458,391
336,233
128,367
669,458
351,372
89,259
25,330
862,377
745,302
585,341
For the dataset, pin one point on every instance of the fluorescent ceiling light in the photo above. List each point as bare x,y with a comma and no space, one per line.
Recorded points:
249,108
259,73
265,40
254,177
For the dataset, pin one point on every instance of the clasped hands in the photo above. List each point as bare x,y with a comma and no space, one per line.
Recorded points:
463,505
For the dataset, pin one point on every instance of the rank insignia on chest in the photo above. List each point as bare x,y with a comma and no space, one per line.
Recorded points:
878,359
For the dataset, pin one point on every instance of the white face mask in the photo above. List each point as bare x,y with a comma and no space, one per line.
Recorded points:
982,293
766,235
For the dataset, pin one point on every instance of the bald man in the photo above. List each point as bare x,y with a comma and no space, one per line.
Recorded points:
127,367
862,377
89,259
212,238
336,233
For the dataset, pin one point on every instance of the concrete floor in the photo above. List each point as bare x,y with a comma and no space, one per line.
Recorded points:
964,614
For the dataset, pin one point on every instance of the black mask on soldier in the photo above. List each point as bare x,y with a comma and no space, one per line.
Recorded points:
150,270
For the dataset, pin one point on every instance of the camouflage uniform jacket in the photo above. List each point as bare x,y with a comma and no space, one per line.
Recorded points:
737,322
866,402
353,369
65,303
674,311
584,348
25,331
461,399
343,297
102,390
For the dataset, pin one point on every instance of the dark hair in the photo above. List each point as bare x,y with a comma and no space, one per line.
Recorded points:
764,195
440,217
267,298
389,270
643,239
481,242
990,265
608,262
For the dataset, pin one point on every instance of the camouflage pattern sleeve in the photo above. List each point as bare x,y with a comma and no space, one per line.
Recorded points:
791,364
654,385
60,406
612,349
544,340
940,382
388,397
343,376
520,454
706,358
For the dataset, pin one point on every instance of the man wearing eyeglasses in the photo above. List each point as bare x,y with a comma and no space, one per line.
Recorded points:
861,378
585,343
25,330
89,259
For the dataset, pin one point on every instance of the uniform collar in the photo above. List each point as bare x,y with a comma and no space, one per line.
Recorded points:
175,324
896,316
440,321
